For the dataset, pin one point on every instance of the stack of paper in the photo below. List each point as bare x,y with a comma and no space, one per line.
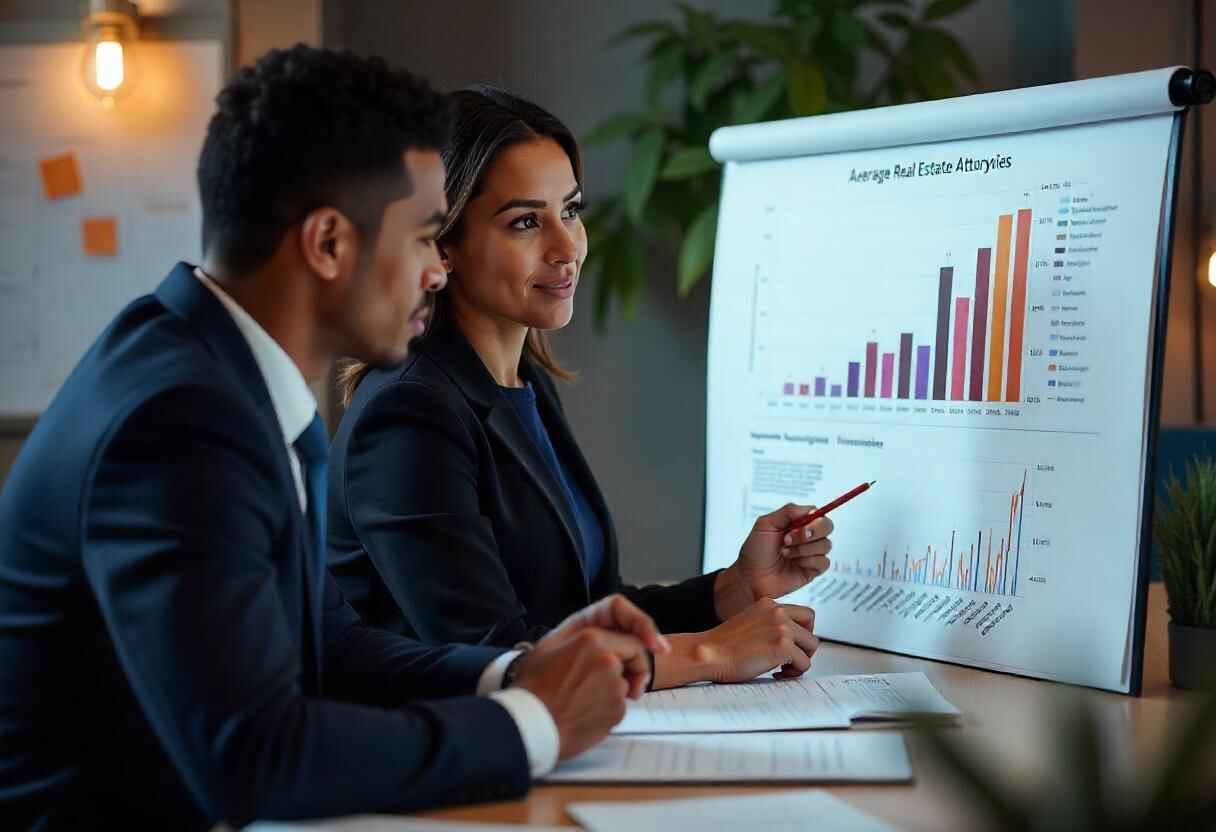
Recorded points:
801,757
773,705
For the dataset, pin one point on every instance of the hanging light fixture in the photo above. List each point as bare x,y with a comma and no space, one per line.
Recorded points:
109,65
1212,259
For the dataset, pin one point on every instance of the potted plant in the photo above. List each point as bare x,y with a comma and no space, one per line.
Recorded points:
1082,787
1185,530
704,72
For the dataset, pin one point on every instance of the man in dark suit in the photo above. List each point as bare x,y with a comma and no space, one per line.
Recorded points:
172,651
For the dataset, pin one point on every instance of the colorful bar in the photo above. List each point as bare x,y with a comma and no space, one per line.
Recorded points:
888,373
854,378
975,575
788,389
961,309
944,287
988,566
1018,551
835,391
871,367
821,385
950,563
905,364
922,371
804,389
1000,293
979,324
1017,310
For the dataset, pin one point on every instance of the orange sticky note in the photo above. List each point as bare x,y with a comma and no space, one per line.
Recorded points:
99,236
60,176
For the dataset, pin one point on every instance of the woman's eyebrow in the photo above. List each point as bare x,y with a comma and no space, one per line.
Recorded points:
535,203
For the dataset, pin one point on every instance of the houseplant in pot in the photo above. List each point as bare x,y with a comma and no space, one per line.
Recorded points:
1185,530
704,71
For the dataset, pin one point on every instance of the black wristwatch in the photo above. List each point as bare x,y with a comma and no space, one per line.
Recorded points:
511,675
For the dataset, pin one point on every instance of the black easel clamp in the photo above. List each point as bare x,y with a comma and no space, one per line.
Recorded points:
1191,87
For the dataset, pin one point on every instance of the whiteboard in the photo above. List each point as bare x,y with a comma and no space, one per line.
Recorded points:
135,165
958,300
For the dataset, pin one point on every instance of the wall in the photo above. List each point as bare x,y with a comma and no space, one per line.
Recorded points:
639,405
250,27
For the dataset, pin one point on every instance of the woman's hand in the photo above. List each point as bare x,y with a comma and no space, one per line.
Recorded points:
773,563
764,636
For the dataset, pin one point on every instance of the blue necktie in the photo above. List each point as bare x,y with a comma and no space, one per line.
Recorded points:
313,447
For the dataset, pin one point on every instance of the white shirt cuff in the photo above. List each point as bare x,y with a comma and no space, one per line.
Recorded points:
491,678
536,726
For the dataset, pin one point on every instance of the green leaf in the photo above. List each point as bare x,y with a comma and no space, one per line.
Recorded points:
754,104
769,41
643,167
647,28
952,50
666,65
928,66
849,30
806,30
620,126
697,250
878,42
691,161
710,77
701,26
896,20
806,88
944,8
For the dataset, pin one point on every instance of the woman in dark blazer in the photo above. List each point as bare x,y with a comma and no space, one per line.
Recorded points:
461,507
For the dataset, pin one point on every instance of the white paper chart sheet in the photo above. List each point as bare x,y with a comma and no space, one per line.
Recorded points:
963,311
791,704
785,756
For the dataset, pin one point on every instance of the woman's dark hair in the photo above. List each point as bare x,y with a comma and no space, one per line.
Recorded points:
304,128
487,121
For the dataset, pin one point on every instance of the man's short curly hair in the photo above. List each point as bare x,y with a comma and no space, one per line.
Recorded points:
305,128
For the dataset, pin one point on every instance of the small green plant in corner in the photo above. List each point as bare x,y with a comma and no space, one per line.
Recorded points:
704,72
1185,530
1081,788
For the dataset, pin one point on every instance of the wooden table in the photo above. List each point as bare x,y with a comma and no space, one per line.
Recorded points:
1010,718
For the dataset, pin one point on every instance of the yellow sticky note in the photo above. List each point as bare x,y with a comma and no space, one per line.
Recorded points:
99,236
60,176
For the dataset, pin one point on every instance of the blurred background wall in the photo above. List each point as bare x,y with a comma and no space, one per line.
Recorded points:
639,404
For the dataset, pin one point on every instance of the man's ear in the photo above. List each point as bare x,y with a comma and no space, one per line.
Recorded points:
444,258
329,242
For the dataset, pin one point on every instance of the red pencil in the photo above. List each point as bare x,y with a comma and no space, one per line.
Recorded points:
806,520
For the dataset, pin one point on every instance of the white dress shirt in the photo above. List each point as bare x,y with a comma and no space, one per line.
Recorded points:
295,407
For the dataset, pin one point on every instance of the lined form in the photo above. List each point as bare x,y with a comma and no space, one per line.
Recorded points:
772,705
883,696
763,705
804,757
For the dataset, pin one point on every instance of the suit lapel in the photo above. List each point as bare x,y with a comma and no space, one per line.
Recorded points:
183,294
447,346
576,464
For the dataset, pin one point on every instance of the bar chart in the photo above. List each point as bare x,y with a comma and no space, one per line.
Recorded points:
987,562
976,344
975,353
